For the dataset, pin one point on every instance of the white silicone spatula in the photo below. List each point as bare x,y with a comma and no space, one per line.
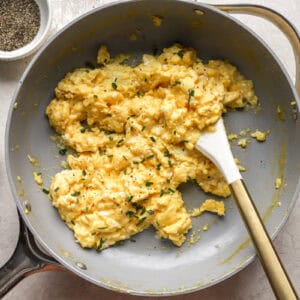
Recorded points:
215,146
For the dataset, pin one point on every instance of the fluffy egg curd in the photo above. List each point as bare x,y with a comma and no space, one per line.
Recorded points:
133,129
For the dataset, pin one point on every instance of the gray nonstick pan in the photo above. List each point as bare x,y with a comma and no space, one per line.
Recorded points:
151,266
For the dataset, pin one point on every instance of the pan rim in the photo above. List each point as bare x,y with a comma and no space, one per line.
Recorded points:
59,257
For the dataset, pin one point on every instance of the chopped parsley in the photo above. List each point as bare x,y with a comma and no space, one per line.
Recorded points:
62,151
176,83
141,221
143,210
149,183
119,142
158,166
138,94
114,84
152,138
75,194
143,128
73,222
95,96
101,228
135,162
109,115
83,129
86,208
180,53
142,160
150,156
129,213
170,163
93,233
171,191
45,191
129,198
174,132
83,172
162,192
56,189
167,153
191,94
168,180
150,211
100,244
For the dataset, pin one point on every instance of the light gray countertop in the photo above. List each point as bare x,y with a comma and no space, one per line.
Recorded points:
250,283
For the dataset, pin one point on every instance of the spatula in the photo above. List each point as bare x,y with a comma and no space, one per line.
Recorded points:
215,146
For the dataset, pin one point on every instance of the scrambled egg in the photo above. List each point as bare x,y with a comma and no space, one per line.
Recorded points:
210,205
134,131
260,136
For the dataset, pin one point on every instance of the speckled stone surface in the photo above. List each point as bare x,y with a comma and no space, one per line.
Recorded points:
250,283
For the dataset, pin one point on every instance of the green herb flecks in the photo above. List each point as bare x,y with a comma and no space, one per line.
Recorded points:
129,213
170,163
46,191
141,221
152,138
167,154
143,210
62,151
150,156
100,244
119,142
129,198
56,189
149,183
158,166
190,94
150,212
84,172
180,53
114,84
143,128
75,194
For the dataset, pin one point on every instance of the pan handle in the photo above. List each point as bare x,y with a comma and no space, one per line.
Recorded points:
277,19
26,260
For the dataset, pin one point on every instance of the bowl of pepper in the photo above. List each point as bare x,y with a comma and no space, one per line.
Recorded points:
24,25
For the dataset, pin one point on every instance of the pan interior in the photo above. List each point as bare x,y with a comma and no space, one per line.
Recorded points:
150,265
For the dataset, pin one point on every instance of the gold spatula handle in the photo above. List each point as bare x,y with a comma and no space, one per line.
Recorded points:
279,280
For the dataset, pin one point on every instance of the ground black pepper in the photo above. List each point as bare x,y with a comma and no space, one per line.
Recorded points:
19,23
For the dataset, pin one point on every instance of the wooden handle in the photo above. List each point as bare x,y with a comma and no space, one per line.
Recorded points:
279,280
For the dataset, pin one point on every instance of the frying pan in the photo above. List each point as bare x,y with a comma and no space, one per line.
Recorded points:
151,266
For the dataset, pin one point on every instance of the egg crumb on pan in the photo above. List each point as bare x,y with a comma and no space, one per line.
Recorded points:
134,129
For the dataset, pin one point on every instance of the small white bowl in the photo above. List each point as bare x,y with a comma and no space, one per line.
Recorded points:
45,20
